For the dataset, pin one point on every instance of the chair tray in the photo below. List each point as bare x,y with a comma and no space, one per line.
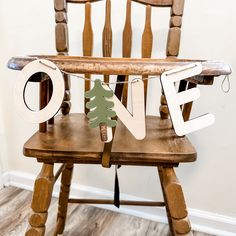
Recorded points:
121,66
71,140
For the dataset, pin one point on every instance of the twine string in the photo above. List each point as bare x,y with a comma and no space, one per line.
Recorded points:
93,80
109,83
228,86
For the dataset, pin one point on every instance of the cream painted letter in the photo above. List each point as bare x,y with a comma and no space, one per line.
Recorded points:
174,100
135,122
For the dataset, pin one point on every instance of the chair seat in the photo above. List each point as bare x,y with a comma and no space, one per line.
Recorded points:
70,139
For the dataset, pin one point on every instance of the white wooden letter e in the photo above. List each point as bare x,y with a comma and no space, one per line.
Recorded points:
174,100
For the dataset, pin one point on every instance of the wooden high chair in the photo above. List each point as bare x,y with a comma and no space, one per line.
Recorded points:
67,139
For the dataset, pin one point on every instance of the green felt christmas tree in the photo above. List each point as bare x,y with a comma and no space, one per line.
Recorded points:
101,112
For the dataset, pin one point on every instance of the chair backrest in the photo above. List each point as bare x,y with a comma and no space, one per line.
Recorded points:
172,48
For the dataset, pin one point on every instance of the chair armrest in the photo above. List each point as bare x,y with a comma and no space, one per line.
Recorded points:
122,66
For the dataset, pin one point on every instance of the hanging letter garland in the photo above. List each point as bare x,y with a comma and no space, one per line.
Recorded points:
104,105
100,108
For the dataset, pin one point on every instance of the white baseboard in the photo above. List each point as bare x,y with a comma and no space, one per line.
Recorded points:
202,221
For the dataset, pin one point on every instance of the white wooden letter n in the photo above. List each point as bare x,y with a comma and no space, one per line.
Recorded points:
174,99
134,122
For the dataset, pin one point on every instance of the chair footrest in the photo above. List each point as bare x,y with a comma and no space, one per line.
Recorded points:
122,202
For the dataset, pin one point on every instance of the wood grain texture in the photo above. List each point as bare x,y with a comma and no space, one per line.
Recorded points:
147,37
62,45
178,7
122,202
182,87
82,219
176,21
147,42
172,187
127,32
170,221
173,44
41,200
188,106
62,37
103,132
107,32
164,111
66,105
61,30
127,46
87,32
173,41
50,91
63,198
122,66
71,139
107,36
87,44
61,17
43,87
83,1
156,3
177,208
15,208
60,5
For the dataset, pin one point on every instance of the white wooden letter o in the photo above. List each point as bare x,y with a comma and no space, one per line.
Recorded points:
56,100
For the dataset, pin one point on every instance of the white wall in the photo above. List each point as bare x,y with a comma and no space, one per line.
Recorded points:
209,32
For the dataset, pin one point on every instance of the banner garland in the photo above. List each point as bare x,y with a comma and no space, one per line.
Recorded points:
104,105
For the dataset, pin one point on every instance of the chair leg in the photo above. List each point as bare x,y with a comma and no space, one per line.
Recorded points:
160,170
42,195
175,204
63,199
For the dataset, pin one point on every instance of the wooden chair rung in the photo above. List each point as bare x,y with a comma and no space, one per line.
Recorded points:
87,44
59,172
122,202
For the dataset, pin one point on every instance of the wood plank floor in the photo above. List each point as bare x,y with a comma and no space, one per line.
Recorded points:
83,220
